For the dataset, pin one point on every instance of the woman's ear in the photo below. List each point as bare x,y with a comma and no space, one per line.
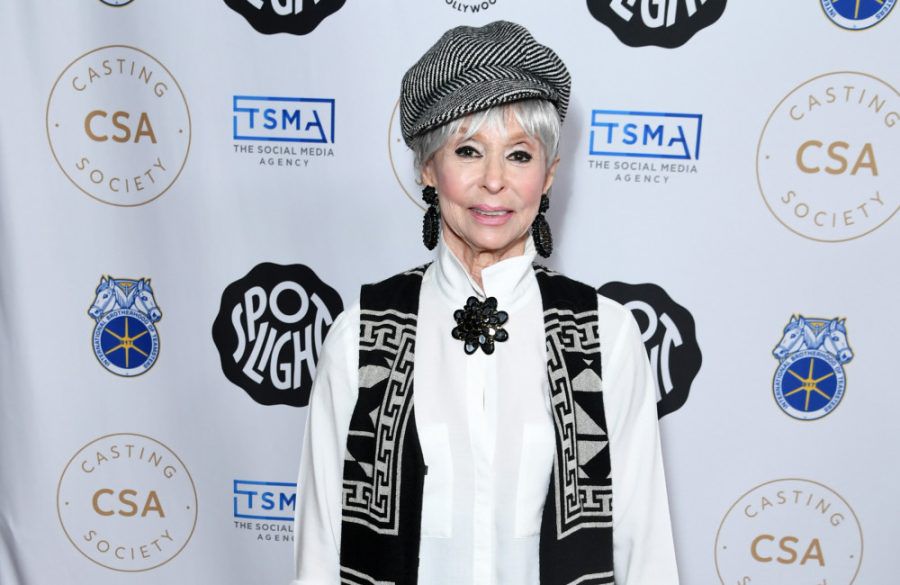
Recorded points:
551,174
427,175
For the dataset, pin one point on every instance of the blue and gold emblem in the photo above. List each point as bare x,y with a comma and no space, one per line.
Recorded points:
857,14
809,382
125,338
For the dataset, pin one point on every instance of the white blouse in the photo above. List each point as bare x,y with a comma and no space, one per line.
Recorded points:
487,437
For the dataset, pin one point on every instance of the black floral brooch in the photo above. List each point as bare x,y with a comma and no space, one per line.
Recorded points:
480,324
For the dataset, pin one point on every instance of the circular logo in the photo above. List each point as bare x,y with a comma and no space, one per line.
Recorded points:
823,162
403,160
857,15
270,328
669,336
118,125
127,502
663,23
126,342
789,531
117,3
809,384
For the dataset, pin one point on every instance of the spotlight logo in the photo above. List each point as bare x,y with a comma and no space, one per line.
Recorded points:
118,125
270,328
288,131
824,164
296,17
858,15
664,23
469,7
789,531
402,160
669,336
127,502
810,382
125,339
644,147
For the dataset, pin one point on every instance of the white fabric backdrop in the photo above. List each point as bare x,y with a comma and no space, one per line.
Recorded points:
189,448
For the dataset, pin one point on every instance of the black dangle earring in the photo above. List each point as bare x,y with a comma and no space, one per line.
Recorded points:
431,223
540,229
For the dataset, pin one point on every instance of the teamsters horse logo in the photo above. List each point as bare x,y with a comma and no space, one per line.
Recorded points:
125,339
809,382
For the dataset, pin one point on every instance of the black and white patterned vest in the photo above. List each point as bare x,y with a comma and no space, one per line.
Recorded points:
384,469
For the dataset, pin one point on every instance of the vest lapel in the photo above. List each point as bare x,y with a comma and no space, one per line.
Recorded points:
576,528
383,466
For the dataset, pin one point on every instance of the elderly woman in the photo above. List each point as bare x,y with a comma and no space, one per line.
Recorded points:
482,419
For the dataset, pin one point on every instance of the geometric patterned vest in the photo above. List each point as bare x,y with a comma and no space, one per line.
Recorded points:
384,469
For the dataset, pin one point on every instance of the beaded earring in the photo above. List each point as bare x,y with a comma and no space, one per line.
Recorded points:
431,223
540,229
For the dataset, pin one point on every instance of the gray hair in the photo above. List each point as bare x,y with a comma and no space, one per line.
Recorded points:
537,117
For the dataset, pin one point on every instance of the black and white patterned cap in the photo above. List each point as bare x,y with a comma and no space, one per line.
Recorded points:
471,69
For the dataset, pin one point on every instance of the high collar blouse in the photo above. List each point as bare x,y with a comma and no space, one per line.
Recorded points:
487,436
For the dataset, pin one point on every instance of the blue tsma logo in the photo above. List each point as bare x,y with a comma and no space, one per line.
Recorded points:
283,119
264,500
645,134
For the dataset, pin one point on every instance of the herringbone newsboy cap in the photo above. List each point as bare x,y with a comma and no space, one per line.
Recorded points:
471,69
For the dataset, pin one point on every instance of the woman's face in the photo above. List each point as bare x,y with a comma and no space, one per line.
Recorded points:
489,188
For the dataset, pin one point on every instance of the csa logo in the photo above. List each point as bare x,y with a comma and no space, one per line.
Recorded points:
402,160
297,17
118,125
857,15
809,382
644,147
270,328
265,508
664,23
789,531
669,336
290,130
823,160
125,338
127,502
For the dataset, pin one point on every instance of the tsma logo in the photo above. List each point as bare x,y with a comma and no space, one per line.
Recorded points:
645,134
264,500
283,119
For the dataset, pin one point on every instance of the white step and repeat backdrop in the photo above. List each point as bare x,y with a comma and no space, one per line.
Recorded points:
190,192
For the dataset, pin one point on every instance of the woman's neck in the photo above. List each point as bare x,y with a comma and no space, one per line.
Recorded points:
474,260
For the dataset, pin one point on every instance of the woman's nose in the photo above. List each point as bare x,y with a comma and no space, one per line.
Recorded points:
494,169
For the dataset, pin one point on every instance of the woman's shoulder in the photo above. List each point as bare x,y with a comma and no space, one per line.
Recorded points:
398,279
399,292
611,315
616,321
343,331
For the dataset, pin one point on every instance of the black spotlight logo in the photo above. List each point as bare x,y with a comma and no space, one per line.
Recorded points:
663,23
270,328
296,17
669,335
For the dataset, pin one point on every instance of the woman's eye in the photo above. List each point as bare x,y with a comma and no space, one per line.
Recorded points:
520,156
466,151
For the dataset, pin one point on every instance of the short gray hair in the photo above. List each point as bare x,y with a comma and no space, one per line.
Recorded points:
537,117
